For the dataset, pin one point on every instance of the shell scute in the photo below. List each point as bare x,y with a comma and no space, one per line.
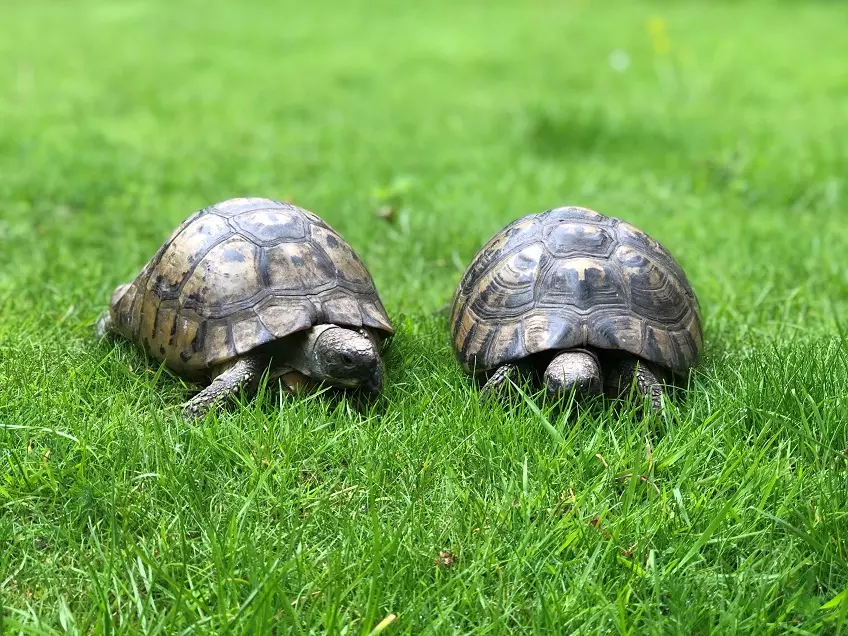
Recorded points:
573,277
224,280
639,240
340,307
183,252
239,274
572,239
283,315
249,333
654,291
507,290
348,266
270,227
299,268
574,214
581,283
240,205
515,235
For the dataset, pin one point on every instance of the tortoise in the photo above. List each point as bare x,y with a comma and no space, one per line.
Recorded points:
590,302
250,283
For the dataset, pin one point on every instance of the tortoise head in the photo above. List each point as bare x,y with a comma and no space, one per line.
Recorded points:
347,358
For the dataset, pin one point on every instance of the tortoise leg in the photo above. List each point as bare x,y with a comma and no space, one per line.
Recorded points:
649,380
500,379
575,370
244,374
103,326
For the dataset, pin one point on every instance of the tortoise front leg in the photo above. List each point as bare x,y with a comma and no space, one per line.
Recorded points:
500,379
244,374
620,375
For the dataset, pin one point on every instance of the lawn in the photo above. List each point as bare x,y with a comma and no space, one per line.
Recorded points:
719,128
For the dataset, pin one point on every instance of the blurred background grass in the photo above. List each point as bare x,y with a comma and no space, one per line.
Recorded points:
719,128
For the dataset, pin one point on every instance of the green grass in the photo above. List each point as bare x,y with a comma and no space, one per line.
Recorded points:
724,138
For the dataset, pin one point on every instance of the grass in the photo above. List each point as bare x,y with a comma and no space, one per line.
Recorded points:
724,137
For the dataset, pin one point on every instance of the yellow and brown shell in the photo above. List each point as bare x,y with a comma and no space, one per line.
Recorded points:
240,274
571,277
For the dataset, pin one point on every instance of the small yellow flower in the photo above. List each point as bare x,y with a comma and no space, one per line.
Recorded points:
662,45
660,40
656,26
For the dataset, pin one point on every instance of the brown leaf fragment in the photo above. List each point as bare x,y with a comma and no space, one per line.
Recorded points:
446,559
596,522
386,213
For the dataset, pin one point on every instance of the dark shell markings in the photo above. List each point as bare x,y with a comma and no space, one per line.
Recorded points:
239,274
571,277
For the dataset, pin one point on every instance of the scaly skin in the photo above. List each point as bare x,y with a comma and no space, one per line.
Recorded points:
499,379
243,375
619,379
339,356
325,353
103,326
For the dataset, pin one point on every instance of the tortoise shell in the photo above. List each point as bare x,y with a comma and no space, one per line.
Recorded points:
572,277
240,274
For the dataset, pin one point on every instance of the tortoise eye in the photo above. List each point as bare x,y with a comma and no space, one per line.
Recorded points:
347,359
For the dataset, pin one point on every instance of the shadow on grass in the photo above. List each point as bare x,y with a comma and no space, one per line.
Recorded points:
570,410
564,132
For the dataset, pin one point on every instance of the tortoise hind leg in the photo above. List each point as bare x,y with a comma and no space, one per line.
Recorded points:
648,379
243,375
103,326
